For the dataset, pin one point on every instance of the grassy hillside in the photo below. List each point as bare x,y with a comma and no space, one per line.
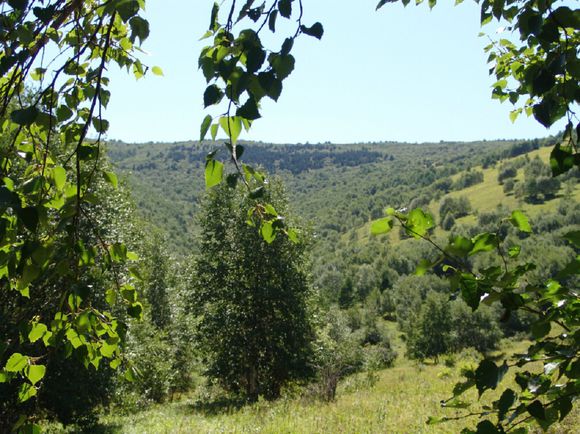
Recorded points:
396,400
340,190
484,197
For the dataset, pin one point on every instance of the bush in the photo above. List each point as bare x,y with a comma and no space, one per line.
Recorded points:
506,171
448,222
467,179
431,335
379,357
337,354
442,326
479,329
508,186
459,207
152,355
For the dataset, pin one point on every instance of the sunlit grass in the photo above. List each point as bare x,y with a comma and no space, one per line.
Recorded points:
396,400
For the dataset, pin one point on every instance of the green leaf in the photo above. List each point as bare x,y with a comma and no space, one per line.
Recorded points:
514,115
5,377
135,311
232,126
232,180
108,349
25,116
432,420
76,339
567,17
459,246
520,221
486,427
315,30
283,65
460,388
285,8
18,4
564,406
129,293
257,193
272,20
536,409
514,251
540,329
127,8
213,24
424,266
63,113
292,236
111,297
249,110
25,392
139,29
484,243
111,178
204,127
563,159
16,363
507,399
418,223
381,226
59,177
35,373
268,232
37,331
214,131
212,95
271,84
488,375
383,2
157,71
214,172
255,57
100,125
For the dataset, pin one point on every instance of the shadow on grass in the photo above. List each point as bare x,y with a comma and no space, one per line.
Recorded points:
496,356
214,408
101,429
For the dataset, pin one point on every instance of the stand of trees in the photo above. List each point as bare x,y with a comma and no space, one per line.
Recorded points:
251,298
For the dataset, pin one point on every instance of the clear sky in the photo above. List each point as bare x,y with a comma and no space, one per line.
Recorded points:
399,74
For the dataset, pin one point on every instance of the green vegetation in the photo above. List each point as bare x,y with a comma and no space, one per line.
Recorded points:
234,315
399,399
250,298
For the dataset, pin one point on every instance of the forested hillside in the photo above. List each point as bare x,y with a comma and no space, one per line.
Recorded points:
336,188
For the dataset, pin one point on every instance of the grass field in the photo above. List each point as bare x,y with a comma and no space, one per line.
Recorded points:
395,400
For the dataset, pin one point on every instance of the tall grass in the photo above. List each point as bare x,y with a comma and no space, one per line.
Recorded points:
396,400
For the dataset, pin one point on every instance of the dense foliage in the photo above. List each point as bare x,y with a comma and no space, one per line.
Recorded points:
251,298
68,288
61,270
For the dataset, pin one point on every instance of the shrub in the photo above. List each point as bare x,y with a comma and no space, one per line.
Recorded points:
505,172
459,207
467,179
337,354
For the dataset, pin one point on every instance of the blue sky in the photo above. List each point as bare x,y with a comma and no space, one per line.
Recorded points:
399,74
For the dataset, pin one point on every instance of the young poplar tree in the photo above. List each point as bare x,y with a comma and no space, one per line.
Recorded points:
250,297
